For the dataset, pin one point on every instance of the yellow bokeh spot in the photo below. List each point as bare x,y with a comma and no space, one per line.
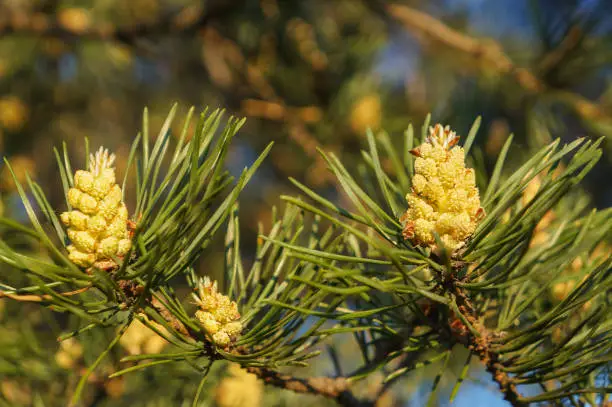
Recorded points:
366,113
139,338
13,113
75,20
239,389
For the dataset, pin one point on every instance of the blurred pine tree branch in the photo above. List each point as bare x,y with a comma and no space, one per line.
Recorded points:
492,56
47,22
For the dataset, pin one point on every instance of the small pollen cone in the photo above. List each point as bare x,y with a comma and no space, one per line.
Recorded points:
97,224
218,315
444,197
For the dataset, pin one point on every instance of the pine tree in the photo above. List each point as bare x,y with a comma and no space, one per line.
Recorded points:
348,264
422,264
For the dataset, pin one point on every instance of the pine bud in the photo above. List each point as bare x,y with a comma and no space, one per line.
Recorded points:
218,315
444,197
97,225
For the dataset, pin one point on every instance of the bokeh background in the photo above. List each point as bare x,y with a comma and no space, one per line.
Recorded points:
307,74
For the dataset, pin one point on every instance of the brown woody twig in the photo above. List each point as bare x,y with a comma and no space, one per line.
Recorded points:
331,387
40,298
481,345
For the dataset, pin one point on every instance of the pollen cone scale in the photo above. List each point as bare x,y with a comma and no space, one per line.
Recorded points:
97,224
444,197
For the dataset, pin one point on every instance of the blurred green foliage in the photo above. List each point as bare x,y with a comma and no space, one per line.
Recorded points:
306,74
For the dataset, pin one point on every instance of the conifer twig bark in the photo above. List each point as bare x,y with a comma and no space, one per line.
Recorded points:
325,386
330,387
41,298
480,345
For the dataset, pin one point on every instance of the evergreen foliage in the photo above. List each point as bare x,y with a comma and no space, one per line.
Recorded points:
342,265
323,271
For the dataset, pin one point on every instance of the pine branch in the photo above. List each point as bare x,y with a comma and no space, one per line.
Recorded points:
194,178
171,319
491,52
481,344
383,285
493,280
571,41
334,388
